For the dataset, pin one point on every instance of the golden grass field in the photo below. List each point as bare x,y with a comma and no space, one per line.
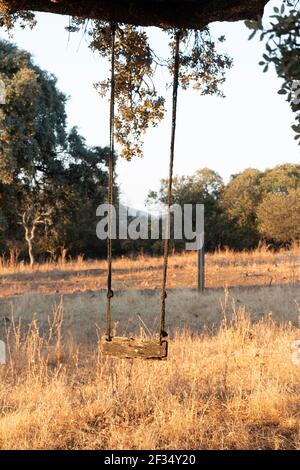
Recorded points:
230,381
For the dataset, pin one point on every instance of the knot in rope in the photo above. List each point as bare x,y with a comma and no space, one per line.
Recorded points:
110,294
164,295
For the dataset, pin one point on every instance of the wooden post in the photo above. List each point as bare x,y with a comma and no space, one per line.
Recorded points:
201,268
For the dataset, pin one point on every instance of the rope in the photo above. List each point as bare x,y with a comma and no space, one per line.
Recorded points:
162,332
110,292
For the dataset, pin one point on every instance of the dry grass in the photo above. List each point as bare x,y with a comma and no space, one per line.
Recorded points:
229,382
186,309
235,389
223,269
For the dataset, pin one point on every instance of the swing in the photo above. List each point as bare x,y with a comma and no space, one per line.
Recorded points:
121,346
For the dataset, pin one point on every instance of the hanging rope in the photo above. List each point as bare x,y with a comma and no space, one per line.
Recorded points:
162,332
110,293
110,186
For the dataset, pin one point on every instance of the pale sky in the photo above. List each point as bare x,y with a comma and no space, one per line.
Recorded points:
249,128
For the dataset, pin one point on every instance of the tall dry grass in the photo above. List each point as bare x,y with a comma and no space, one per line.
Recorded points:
229,382
235,388
131,309
223,268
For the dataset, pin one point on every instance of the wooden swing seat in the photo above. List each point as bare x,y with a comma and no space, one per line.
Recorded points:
130,348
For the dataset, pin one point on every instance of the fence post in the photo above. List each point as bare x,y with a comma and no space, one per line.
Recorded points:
201,268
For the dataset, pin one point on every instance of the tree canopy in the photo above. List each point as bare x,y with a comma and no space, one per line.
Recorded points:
51,181
279,216
33,120
253,206
281,35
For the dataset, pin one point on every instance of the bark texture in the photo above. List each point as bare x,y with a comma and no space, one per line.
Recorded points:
164,13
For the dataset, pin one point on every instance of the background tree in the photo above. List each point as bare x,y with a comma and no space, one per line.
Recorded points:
33,119
242,197
281,179
238,214
85,182
31,218
279,217
282,38
42,166
278,213
239,202
32,134
204,187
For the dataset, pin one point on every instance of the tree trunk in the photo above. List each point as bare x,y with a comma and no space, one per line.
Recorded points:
29,236
30,252
171,13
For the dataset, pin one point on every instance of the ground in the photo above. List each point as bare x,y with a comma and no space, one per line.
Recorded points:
231,381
